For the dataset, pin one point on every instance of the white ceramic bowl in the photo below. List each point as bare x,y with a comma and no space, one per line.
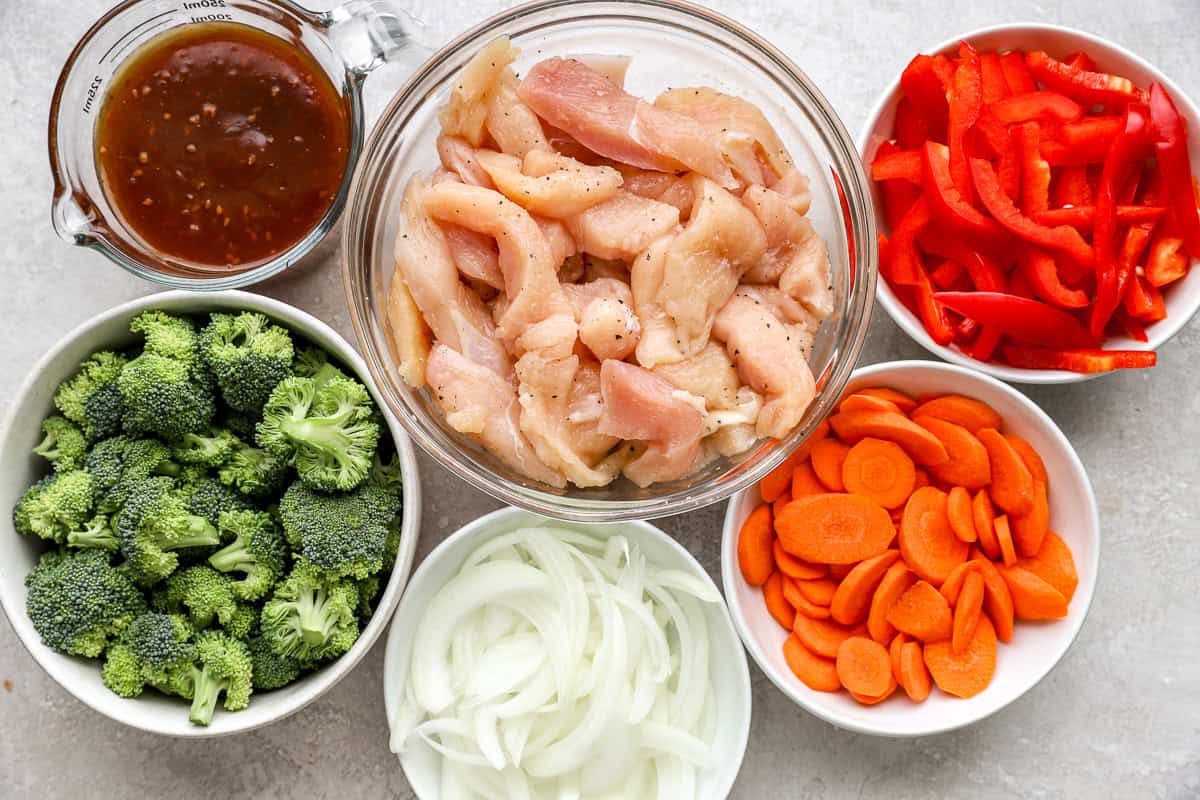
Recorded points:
19,468
1182,298
728,670
1036,646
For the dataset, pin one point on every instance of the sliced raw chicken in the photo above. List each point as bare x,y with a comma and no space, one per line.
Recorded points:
794,187
709,373
511,124
457,316
458,157
465,114
800,323
562,244
768,361
682,195
658,343
622,226
795,256
604,310
408,333
483,405
567,188
641,405
746,137
606,119
474,254
596,268
647,183
732,440
611,67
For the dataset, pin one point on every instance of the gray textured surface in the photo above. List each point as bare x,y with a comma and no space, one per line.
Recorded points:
1120,717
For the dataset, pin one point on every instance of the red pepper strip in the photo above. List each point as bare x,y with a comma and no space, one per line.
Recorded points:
966,101
1082,217
966,330
1092,132
1050,106
1061,155
906,266
1111,275
1008,165
924,89
910,127
932,312
1078,360
1092,88
1170,144
1063,239
1018,286
946,202
1081,60
1035,172
897,197
897,165
1167,262
1144,300
1071,187
1016,73
1039,269
950,276
985,274
1132,328
1025,320
986,343
994,86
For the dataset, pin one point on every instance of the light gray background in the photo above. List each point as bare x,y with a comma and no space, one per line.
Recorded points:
1119,717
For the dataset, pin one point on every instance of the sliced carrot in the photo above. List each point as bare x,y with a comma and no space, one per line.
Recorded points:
853,596
820,636
754,547
968,463
864,667
1008,551
958,509
866,402
968,673
778,479
903,401
985,515
927,542
1055,565
840,571
997,599
818,674
834,528
777,604
804,481
895,582
819,590
879,470
967,612
819,433
952,586
793,567
919,443
1029,530
868,700
1033,597
1030,456
897,644
1012,482
965,411
922,613
827,457
779,503
802,605
922,479
914,675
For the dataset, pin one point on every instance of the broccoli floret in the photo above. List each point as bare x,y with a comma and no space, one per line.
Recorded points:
210,499
248,355
327,433
240,425
120,464
53,508
343,534
211,448
254,472
244,622
222,664
257,550
203,593
90,398
152,650
391,545
63,445
271,670
96,534
313,362
78,601
163,397
311,617
168,336
368,589
154,522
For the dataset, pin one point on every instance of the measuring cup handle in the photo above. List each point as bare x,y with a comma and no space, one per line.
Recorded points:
367,33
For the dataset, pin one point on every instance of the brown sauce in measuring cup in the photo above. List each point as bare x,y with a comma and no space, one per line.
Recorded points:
222,145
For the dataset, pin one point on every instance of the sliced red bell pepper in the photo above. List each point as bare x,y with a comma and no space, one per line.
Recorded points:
1041,272
1145,301
1170,144
1025,320
1086,360
1000,143
1083,217
994,86
950,276
897,197
984,346
985,273
1130,326
944,198
897,165
1093,133
906,265
1035,172
1071,187
1059,154
924,88
966,330
1092,88
966,101
1063,239
1043,105
1016,73
1081,60
1167,260
910,127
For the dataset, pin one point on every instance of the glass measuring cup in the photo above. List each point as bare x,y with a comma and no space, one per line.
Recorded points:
347,42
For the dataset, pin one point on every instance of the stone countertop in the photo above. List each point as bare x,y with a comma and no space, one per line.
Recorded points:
1119,717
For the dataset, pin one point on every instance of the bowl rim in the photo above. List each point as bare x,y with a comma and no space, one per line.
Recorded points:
1164,331
60,667
801,695
862,265
400,635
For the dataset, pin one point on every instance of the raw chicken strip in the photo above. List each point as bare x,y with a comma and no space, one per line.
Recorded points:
408,333
611,67
567,188
459,158
562,244
796,258
513,126
474,254
768,362
709,374
801,324
622,227
607,120
682,195
647,183
732,440
465,114
604,310
658,343
745,134
794,187
457,316
483,405
640,405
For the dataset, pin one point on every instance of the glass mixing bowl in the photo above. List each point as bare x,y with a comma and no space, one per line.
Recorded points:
672,44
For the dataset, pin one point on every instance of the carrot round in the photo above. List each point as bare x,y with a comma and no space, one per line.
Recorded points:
818,674
968,673
960,513
1055,565
820,636
853,596
997,599
1012,482
868,700
1008,551
818,590
984,516
867,402
780,502
793,567
922,613
801,604
804,481
778,479
967,611
754,547
927,542
864,667
914,675
952,586
1033,597
819,433
777,604
897,644
905,403
895,582
968,463
827,457
922,479
834,528
1029,530
1030,456
965,411
839,571
919,443
879,470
